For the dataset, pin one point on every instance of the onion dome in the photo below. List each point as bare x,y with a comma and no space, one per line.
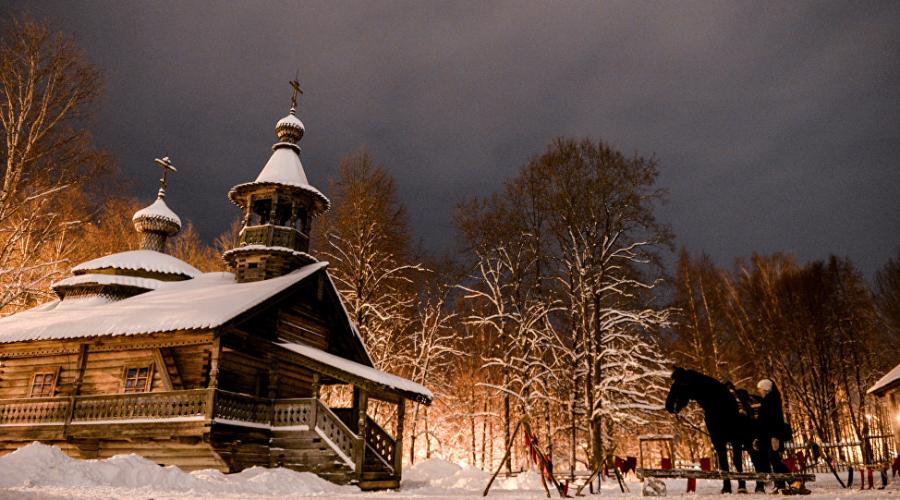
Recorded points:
125,274
289,129
157,221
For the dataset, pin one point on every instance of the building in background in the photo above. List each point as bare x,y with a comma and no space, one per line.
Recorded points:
143,353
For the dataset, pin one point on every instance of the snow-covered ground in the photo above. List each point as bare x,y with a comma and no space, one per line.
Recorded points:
40,471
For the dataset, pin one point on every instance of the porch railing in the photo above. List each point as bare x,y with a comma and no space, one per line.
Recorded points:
381,442
205,403
149,405
242,407
336,432
34,410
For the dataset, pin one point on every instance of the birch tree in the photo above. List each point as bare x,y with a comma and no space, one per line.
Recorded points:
47,92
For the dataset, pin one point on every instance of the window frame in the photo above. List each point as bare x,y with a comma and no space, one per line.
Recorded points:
148,387
44,371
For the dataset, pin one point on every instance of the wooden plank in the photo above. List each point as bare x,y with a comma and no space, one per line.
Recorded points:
718,475
162,369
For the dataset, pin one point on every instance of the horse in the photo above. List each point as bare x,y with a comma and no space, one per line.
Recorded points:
725,423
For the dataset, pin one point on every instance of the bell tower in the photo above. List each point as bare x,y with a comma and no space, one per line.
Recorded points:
277,209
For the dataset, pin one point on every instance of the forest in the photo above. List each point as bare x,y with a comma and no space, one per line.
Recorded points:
556,304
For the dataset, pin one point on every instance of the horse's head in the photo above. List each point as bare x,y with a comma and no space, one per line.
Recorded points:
679,394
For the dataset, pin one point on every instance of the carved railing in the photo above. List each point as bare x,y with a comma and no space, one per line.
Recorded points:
269,234
34,410
336,431
152,405
290,412
381,442
243,407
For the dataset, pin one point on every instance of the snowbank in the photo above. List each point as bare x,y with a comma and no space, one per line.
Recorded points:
438,476
41,466
40,471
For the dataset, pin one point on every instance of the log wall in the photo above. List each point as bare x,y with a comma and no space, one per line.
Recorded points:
184,355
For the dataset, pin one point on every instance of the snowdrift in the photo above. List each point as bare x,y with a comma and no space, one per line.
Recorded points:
40,466
41,471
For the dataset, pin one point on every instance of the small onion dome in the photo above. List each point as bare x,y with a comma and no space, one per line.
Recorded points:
289,129
157,217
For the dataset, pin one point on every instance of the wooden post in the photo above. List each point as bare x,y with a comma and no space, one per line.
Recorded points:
314,414
398,439
163,369
213,376
362,406
79,378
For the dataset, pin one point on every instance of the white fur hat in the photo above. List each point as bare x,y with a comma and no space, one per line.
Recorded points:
765,384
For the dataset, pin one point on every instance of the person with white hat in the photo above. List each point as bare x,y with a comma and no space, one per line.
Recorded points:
773,432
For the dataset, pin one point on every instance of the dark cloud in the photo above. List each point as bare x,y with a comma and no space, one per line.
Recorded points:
776,124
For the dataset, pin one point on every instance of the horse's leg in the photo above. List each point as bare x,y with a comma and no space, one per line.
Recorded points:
760,465
738,461
722,456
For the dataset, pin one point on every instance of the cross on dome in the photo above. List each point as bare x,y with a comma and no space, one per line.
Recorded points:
167,166
295,84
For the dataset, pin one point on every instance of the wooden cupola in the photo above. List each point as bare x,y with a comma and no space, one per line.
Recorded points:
277,209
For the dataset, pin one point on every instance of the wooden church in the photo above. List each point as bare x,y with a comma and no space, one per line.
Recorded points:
142,353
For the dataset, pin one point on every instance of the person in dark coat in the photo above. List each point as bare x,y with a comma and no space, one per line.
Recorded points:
771,428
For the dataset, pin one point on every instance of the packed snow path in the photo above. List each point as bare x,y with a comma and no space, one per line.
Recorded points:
40,471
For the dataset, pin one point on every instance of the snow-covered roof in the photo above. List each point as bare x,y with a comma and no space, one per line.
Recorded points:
361,371
207,301
284,167
158,210
269,249
888,379
147,260
109,279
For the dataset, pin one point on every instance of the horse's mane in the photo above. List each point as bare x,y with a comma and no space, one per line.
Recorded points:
706,385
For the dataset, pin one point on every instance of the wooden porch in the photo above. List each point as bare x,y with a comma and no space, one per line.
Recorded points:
300,433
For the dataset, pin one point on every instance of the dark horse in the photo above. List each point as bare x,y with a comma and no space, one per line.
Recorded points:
725,423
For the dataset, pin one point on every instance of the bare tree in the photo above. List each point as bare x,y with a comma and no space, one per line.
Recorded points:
47,89
366,240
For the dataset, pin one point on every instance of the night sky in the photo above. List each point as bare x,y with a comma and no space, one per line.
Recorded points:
776,125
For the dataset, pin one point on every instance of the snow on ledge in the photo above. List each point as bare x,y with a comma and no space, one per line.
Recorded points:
354,368
108,279
147,260
888,379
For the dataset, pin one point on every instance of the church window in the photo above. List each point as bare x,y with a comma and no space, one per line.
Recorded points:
261,212
283,214
301,220
138,378
43,383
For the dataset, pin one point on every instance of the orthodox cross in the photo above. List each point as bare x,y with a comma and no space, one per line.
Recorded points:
295,84
166,166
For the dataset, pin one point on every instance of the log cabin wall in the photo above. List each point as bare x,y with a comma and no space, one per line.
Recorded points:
186,356
299,322
16,374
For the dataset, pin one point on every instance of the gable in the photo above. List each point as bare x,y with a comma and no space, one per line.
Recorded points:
311,312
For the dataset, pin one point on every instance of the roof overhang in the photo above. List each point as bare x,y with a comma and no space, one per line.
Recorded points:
379,384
